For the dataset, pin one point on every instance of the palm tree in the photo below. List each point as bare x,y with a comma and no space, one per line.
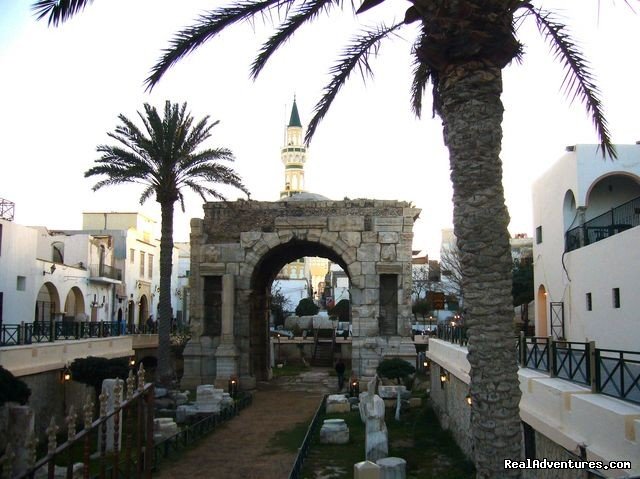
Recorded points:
461,49
164,160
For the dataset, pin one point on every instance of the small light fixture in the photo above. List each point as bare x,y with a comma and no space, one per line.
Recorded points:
468,399
444,377
52,270
132,361
425,364
65,375
354,387
233,387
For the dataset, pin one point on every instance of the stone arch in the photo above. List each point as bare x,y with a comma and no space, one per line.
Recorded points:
47,303
237,251
74,305
610,190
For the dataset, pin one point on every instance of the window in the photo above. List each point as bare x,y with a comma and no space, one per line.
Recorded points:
21,283
141,264
150,266
539,235
132,255
589,304
616,297
212,305
57,252
388,319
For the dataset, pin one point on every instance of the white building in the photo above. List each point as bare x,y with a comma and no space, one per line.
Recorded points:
586,210
108,271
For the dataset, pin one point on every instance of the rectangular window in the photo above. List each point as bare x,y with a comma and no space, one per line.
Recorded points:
132,255
150,266
21,283
142,264
388,319
616,297
539,235
589,304
212,305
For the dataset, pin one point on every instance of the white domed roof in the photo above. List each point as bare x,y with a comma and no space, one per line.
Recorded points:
305,196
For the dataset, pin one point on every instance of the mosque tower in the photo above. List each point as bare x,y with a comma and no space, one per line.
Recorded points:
294,155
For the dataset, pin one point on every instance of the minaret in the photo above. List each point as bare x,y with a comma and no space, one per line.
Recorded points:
294,155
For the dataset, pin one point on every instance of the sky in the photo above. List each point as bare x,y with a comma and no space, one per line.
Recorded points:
61,90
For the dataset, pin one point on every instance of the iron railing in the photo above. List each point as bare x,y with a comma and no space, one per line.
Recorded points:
618,374
453,334
607,371
50,331
117,444
190,434
617,220
303,450
105,271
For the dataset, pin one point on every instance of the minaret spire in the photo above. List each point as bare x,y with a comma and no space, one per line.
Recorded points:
293,155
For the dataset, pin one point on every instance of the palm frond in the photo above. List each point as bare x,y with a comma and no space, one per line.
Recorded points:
305,13
356,55
147,193
422,73
206,27
579,81
58,11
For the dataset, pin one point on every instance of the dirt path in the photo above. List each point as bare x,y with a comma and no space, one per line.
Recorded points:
238,449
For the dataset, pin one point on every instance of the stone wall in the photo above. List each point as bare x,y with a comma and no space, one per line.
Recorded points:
549,450
248,242
450,404
49,397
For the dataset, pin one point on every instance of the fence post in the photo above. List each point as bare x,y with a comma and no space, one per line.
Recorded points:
591,364
594,366
52,330
553,362
523,349
21,333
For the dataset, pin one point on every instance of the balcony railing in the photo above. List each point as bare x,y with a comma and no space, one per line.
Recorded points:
105,271
617,220
606,371
50,331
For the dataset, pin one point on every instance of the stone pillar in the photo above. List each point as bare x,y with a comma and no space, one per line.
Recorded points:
108,388
392,468
366,470
19,432
227,352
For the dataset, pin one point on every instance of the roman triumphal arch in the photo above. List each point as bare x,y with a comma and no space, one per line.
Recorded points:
239,247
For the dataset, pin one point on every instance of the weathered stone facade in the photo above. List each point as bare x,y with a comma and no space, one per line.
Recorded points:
237,251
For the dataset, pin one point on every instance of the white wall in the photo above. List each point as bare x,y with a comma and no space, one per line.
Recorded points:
598,267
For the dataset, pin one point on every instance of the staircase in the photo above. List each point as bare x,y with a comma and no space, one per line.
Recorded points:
323,348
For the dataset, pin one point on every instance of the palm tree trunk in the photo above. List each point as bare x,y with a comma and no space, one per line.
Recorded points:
164,372
472,117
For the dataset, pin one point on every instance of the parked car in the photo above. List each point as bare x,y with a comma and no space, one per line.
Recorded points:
274,332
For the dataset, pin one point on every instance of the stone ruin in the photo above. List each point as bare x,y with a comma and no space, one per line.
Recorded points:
238,248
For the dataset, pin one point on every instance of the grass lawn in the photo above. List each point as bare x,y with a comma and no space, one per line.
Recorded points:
429,451
291,369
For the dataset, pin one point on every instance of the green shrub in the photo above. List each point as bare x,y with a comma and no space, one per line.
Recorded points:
341,310
12,389
395,368
93,370
306,307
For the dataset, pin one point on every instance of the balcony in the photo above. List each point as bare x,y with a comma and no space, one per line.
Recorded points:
617,220
105,274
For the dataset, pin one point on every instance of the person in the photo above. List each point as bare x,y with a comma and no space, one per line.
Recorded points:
150,324
340,368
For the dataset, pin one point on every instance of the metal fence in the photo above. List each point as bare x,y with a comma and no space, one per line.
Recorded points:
194,432
117,444
303,450
607,371
614,221
50,331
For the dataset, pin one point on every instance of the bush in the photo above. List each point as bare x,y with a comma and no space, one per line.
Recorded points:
306,307
395,368
341,310
12,389
93,370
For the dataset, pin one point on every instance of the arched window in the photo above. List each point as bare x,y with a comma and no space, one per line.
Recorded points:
57,252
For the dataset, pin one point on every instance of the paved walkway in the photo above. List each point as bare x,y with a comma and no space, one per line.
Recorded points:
239,449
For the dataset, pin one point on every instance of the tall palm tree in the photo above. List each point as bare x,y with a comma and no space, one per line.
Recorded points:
461,49
163,158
